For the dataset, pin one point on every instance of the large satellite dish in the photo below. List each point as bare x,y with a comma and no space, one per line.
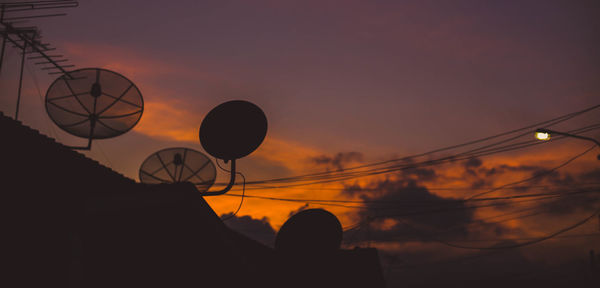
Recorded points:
230,131
94,103
233,130
173,165
310,231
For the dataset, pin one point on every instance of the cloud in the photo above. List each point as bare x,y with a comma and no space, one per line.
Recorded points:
542,180
287,153
401,207
473,163
257,229
397,204
169,120
590,176
339,160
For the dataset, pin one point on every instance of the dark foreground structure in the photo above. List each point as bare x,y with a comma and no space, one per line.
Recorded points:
71,222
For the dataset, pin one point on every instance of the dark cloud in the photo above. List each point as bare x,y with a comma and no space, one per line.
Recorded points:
473,163
420,174
353,189
402,210
553,177
479,176
401,207
525,168
338,161
257,229
504,168
553,181
410,204
577,199
592,176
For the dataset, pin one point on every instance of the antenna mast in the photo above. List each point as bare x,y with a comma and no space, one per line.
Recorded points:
28,38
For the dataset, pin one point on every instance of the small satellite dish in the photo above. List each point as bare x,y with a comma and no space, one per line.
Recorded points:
94,103
310,231
233,130
173,165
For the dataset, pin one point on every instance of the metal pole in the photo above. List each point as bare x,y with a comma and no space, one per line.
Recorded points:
229,186
91,137
543,130
548,131
578,137
20,81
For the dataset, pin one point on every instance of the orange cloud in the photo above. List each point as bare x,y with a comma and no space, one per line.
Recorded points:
290,154
163,119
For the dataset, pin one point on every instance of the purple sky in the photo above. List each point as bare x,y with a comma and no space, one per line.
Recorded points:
375,76
382,78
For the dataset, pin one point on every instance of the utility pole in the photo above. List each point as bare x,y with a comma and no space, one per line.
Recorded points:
20,80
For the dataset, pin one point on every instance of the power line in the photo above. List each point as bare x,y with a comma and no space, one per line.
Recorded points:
529,238
466,188
335,173
448,208
493,252
536,211
550,122
384,170
395,202
512,246
243,190
535,176
585,235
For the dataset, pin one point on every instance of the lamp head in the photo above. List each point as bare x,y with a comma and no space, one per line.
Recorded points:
542,134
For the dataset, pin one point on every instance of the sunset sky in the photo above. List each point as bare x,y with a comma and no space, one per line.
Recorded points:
349,83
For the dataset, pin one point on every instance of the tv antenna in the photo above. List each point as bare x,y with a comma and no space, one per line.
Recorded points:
28,38
174,165
94,103
230,131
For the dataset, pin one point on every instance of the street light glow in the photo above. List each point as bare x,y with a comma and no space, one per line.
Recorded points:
544,136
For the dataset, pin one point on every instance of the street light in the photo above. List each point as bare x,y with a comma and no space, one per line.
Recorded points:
545,135
542,135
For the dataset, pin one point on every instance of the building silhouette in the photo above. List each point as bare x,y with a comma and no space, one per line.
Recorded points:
72,222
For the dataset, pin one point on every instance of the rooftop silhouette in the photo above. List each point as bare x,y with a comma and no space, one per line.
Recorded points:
76,223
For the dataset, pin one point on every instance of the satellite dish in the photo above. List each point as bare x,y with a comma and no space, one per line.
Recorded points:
173,165
233,130
310,231
94,103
